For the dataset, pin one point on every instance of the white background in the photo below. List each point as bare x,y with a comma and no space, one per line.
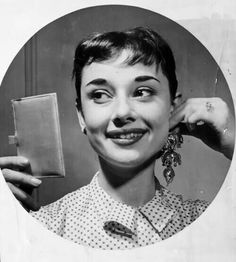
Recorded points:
213,236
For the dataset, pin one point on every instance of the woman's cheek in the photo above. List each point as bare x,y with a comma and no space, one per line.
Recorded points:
160,125
96,121
157,114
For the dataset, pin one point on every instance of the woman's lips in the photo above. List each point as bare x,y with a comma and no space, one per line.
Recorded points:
126,136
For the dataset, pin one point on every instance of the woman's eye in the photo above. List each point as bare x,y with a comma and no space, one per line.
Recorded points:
143,93
100,96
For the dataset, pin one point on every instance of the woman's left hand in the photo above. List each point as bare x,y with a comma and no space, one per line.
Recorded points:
208,119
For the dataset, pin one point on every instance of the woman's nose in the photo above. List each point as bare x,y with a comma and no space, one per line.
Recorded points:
123,112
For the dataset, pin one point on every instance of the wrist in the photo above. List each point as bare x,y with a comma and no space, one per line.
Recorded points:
228,140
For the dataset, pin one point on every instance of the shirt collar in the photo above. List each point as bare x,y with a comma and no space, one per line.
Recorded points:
158,211
111,210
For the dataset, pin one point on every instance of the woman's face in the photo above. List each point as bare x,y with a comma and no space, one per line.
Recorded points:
126,110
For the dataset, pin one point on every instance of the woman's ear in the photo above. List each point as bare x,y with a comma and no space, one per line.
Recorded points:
81,120
176,101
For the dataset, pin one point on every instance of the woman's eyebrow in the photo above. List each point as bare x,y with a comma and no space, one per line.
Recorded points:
98,82
145,78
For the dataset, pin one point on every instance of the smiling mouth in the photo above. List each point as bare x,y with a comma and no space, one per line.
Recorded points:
126,137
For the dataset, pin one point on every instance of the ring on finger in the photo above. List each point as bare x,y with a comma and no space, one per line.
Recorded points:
209,107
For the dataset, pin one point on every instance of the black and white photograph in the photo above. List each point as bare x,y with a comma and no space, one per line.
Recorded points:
117,135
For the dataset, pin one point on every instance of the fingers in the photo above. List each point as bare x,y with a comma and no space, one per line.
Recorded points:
14,162
20,183
26,200
20,178
204,110
208,119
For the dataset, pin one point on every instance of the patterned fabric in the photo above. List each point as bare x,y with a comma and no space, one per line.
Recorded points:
89,216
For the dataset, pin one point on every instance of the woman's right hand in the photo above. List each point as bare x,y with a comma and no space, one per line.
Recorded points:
208,119
15,170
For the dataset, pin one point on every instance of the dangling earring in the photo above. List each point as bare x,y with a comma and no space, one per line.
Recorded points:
170,157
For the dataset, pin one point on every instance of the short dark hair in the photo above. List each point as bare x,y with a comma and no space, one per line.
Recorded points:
146,46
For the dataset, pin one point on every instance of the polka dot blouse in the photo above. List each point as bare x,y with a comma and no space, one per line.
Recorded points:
89,216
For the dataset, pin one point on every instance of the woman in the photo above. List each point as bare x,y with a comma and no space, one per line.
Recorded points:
127,105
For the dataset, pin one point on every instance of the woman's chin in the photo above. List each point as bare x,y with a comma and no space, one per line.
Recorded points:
128,162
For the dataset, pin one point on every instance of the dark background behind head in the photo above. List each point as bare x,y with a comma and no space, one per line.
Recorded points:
44,65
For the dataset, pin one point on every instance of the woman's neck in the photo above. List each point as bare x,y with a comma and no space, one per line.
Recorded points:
131,186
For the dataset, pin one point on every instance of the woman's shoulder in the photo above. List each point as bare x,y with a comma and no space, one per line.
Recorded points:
179,198
63,213
188,209
78,198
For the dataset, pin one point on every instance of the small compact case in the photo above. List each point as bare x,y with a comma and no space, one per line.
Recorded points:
37,134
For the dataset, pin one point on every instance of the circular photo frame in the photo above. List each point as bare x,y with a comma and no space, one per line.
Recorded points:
44,65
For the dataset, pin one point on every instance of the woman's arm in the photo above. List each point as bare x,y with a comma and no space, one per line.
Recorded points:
21,183
208,119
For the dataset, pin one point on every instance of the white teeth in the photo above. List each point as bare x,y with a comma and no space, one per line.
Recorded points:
129,136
